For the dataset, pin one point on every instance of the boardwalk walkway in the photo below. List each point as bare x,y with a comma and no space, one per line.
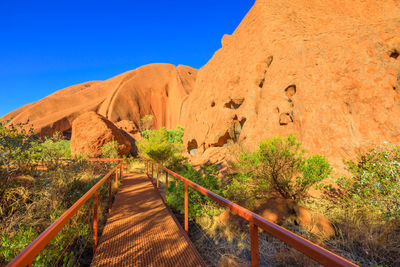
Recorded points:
141,231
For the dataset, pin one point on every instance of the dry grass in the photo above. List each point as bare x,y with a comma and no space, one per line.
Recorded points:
362,236
34,202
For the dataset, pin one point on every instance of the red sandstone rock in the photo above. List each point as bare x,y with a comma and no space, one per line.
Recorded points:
90,131
314,223
127,126
326,71
276,210
131,132
156,89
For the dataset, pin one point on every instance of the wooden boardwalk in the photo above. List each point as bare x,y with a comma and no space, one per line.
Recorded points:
141,230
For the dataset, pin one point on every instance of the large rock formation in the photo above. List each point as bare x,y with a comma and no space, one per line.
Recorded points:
90,131
156,89
326,71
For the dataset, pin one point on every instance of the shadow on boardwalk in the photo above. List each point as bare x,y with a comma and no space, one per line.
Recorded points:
141,231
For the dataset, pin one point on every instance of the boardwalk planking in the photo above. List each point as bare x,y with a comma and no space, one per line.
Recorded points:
141,230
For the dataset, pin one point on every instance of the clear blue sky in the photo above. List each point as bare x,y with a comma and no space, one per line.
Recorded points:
48,45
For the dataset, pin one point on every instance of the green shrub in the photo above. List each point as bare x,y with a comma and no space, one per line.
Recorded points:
31,198
146,123
278,165
206,177
163,146
110,150
176,135
56,147
376,180
12,245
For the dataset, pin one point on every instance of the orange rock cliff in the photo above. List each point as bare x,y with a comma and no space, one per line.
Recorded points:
326,71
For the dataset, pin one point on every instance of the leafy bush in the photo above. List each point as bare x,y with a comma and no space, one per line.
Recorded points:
13,244
56,147
206,177
163,146
146,123
110,150
376,180
278,165
176,135
36,187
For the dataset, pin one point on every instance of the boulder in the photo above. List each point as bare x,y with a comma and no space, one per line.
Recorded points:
155,89
326,71
314,223
276,210
131,132
127,126
90,131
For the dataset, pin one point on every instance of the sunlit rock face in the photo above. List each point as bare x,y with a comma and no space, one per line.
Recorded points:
156,89
326,71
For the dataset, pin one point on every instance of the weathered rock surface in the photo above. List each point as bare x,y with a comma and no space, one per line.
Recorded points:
131,132
282,211
127,126
326,71
276,210
90,131
155,89
314,223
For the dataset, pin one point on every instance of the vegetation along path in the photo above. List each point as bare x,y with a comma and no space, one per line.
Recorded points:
141,231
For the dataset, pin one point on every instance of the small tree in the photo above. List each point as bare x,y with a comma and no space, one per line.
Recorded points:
206,177
280,165
376,180
18,148
110,150
163,146
146,123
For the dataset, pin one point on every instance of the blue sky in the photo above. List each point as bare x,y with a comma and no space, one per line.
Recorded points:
48,45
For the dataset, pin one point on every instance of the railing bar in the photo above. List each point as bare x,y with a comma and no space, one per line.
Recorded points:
158,170
308,248
95,209
109,195
116,180
186,209
166,183
255,261
34,248
120,171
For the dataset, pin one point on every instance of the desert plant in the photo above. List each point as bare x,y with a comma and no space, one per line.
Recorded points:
279,165
206,177
146,123
161,146
110,150
375,180
32,198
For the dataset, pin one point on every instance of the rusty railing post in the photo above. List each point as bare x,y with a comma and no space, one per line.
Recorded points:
120,170
166,182
255,262
126,165
152,171
147,167
116,179
186,209
109,195
95,209
158,170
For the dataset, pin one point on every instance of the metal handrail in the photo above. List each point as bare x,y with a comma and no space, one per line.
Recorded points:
315,252
26,257
306,247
